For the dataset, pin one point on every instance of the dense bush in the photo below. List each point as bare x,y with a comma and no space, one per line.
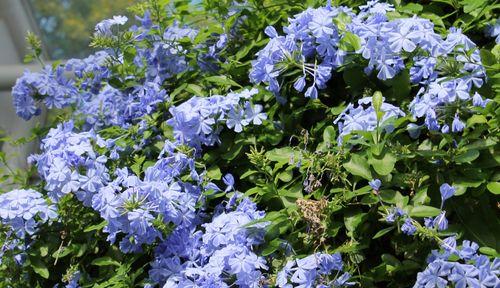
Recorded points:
262,144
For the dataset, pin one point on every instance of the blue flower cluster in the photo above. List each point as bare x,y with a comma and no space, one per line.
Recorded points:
49,85
21,212
167,56
69,163
316,270
112,107
364,117
439,223
313,43
311,33
141,211
220,253
198,121
470,270
100,104
90,72
104,27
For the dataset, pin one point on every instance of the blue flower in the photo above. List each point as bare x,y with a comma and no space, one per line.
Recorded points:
447,192
431,277
408,228
464,276
375,184
440,222
22,211
494,31
362,118
198,121
218,255
396,213
229,181
457,125
315,270
103,28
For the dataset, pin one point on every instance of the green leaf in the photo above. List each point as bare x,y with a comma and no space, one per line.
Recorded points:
329,136
195,90
286,176
356,82
467,157
44,250
96,227
479,218
281,155
222,80
383,232
424,211
494,187
481,144
463,184
63,252
385,165
105,261
489,251
233,152
248,173
358,166
393,197
350,42
476,119
39,267
390,260
400,86
352,220
214,173
271,247
136,167
412,8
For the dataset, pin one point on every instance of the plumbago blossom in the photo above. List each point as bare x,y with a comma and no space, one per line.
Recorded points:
140,210
438,223
460,266
363,117
198,121
164,208
310,33
470,270
91,72
22,212
313,43
50,85
104,27
144,210
100,104
493,30
69,163
219,253
167,57
316,270
114,107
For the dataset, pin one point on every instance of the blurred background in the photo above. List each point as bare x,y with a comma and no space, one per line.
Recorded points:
65,27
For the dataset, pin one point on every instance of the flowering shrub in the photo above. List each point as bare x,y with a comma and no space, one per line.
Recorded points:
268,146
